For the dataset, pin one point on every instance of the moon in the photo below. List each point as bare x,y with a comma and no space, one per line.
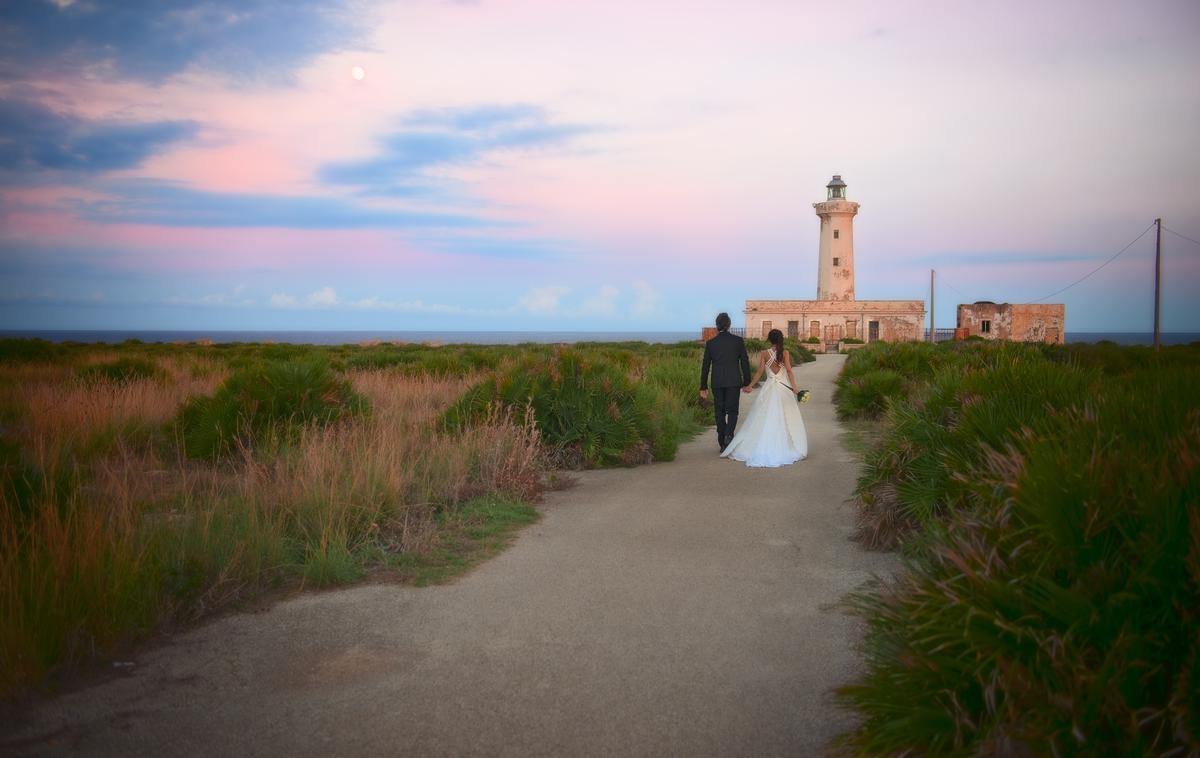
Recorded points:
358,73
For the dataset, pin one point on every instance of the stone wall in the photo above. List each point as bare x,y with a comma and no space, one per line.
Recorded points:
833,321
1039,323
1018,323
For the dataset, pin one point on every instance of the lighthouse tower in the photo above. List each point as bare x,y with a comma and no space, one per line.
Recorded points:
835,262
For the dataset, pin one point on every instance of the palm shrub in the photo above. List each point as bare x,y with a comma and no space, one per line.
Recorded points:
867,394
26,350
594,406
580,404
1056,611
374,360
275,398
120,371
879,372
910,480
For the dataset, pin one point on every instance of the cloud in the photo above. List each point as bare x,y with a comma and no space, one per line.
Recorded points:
151,40
327,297
646,300
172,204
34,138
433,138
322,298
603,303
543,300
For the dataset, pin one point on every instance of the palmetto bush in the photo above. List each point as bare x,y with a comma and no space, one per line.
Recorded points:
581,405
120,370
883,371
595,406
269,399
1050,600
908,482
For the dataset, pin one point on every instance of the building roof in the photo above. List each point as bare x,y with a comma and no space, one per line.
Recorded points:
836,181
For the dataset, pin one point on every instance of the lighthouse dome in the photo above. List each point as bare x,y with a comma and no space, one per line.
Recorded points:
837,188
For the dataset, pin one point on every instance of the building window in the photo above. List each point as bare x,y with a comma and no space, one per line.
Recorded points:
852,329
814,329
835,233
793,329
985,327
835,261
766,328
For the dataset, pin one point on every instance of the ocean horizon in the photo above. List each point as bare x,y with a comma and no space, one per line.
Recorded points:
343,337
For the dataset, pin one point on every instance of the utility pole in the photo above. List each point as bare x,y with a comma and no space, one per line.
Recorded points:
1157,275
932,335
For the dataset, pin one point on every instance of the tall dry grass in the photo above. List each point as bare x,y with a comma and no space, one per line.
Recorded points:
107,531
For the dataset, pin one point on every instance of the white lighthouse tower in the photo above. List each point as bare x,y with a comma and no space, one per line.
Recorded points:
835,262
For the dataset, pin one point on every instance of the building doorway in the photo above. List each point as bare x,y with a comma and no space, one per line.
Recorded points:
793,329
833,334
872,331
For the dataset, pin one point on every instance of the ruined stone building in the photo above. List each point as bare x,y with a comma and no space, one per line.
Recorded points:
836,314
1015,322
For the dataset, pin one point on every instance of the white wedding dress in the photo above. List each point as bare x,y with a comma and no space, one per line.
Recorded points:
772,433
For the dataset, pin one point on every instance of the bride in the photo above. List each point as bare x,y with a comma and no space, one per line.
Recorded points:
772,433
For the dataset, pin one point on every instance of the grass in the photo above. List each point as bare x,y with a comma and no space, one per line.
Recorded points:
145,485
465,537
1046,502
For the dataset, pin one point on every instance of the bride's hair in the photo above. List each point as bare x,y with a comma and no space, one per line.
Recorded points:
775,337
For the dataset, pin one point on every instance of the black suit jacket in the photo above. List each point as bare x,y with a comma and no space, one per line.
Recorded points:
726,354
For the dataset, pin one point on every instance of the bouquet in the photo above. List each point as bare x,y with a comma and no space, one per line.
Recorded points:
802,396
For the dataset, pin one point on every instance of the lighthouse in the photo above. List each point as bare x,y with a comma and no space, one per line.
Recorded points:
835,259
836,319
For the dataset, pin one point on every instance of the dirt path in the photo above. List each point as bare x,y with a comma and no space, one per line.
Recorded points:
673,609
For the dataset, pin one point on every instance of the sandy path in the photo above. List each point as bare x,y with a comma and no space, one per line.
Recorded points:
673,609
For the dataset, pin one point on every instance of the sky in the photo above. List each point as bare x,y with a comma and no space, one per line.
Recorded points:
614,165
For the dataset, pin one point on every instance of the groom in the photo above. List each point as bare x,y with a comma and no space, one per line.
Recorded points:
726,354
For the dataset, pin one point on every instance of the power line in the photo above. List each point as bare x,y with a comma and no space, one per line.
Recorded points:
956,289
1102,265
1184,236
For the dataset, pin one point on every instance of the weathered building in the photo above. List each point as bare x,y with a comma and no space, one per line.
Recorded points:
836,314
1042,322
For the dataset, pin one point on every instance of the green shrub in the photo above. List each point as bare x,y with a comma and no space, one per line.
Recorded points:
1052,583
589,408
812,340
852,341
1055,612
867,395
271,398
580,404
377,359
22,350
120,371
993,398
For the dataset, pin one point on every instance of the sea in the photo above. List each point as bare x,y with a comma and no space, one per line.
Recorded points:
114,336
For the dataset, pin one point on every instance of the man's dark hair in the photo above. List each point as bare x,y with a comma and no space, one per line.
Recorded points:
723,322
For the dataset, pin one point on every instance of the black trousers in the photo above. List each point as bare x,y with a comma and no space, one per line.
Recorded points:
725,404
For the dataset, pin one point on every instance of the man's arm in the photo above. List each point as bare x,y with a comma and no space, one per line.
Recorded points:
704,368
744,361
